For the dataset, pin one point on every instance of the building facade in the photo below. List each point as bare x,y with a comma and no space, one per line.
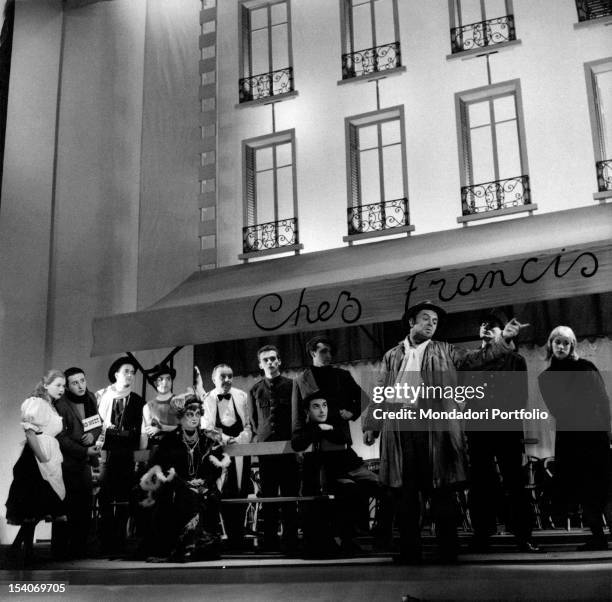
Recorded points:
197,172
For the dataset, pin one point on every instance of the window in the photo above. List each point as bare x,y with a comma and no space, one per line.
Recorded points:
599,89
476,24
270,193
588,10
492,148
376,158
370,37
266,50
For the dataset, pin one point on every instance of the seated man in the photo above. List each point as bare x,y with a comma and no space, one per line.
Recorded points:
182,490
339,471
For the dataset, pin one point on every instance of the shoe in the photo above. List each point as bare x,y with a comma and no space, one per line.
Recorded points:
593,544
528,547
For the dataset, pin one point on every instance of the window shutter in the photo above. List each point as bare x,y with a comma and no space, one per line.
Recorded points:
465,143
251,186
354,166
246,42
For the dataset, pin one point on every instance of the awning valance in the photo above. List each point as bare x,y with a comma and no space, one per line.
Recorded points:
548,256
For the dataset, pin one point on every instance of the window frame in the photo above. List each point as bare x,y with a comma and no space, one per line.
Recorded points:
249,199
455,21
591,70
347,37
245,69
462,100
354,198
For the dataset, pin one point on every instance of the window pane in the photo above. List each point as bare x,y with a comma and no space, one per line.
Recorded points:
470,11
283,154
279,13
285,193
478,113
604,98
280,44
504,108
259,42
263,159
393,173
391,132
362,27
482,156
259,18
368,137
370,177
508,153
265,197
385,32
495,9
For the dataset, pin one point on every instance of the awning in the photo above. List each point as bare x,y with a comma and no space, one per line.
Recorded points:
547,256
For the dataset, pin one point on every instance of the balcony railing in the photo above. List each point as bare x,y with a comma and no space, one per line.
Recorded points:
265,85
483,34
270,235
378,216
604,175
371,60
593,9
491,196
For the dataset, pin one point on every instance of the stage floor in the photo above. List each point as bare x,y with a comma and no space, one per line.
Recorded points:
553,575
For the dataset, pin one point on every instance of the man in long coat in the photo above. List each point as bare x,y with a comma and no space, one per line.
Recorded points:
429,459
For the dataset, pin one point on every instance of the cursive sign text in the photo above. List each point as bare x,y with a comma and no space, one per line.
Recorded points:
270,311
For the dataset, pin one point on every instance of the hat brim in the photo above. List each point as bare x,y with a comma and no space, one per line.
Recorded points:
116,365
412,311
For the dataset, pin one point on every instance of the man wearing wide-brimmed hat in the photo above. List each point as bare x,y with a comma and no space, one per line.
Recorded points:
429,459
121,412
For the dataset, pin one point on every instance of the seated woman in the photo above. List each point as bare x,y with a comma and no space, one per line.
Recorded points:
182,488
37,491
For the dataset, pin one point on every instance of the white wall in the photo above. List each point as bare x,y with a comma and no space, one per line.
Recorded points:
108,223
549,63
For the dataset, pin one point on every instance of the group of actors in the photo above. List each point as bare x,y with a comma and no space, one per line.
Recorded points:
197,480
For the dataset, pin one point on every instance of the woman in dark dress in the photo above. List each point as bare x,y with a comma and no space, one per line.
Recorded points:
183,492
37,491
576,396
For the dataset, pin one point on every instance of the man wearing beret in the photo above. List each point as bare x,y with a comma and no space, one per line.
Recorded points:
429,459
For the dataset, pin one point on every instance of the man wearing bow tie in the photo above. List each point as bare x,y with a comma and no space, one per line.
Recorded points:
226,410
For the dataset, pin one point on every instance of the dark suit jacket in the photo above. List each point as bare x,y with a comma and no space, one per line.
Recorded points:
344,394
74,452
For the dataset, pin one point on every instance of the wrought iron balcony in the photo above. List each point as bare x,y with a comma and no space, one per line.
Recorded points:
371,60
483,34
378,216
491,196
593,9
265,85
604,175
270,235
